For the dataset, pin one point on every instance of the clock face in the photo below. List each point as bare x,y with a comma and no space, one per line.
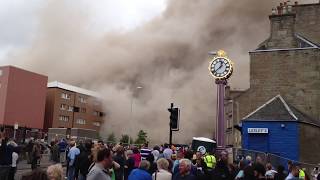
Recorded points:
221,68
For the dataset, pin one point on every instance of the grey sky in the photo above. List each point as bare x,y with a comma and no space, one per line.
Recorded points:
19,18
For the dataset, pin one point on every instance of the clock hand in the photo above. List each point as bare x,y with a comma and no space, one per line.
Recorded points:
220,65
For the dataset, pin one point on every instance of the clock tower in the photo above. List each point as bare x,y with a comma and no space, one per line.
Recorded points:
221,69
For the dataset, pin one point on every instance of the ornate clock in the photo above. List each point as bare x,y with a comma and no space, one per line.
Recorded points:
221,67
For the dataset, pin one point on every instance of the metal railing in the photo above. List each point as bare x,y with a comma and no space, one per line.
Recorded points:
274,159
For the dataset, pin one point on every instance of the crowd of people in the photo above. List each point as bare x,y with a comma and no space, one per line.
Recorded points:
88,160
9,154
95,160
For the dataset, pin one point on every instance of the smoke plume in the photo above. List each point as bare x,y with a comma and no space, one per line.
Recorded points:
168,57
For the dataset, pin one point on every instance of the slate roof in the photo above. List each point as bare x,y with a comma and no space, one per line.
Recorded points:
303,42
315,39
277,109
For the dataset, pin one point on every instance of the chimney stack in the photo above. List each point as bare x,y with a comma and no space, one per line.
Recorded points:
282,31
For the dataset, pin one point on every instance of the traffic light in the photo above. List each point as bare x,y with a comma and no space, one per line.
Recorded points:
174,119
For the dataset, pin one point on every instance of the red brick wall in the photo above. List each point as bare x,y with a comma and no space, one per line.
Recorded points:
3,91
26,96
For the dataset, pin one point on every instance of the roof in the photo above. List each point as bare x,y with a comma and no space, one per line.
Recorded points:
304,43
315,39
312,32
20,69
277,109
56,84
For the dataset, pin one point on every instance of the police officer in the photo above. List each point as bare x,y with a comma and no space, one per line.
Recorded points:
210,160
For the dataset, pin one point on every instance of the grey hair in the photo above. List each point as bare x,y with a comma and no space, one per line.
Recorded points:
186,161
162,163
144,164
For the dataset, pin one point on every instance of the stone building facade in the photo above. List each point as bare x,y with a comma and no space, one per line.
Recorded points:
287,63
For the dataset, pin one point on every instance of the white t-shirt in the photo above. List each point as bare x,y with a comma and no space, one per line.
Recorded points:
162,175
15,157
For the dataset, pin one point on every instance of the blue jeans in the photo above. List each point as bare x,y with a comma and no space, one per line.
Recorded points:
81,177
71,172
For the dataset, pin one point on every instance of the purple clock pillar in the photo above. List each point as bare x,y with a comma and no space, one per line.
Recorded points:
221,69
220,122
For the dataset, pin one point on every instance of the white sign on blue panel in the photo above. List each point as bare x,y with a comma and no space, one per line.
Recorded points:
258,130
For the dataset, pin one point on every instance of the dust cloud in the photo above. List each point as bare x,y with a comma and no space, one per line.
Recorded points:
167,57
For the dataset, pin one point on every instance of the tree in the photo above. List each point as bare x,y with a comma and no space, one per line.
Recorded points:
142,137
125,139
112,138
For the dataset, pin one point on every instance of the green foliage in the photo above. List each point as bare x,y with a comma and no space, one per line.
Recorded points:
142,137
112,138
125,139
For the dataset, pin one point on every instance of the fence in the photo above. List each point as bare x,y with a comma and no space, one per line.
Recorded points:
241,153
274,159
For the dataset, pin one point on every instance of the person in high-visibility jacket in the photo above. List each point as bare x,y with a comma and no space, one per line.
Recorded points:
301,173
210,160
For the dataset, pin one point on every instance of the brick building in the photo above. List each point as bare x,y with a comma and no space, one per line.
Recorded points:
22,99
286,64
70,108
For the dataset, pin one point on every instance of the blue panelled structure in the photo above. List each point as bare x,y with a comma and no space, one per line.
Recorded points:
281,139
279,128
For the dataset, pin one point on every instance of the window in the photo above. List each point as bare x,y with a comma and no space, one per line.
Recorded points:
81,121
65,96
96,113
96,124
76,109
82,99
83,110
70,108
64,118
63,106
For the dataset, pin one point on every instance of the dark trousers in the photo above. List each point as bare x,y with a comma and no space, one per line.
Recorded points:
12,172
34,163
4,172
29,157
71,173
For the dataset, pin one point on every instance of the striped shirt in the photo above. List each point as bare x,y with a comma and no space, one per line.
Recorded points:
145,153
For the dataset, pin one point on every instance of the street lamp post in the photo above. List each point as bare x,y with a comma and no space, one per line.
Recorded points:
131,112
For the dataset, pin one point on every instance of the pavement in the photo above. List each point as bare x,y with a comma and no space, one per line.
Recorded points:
23,167
44,163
